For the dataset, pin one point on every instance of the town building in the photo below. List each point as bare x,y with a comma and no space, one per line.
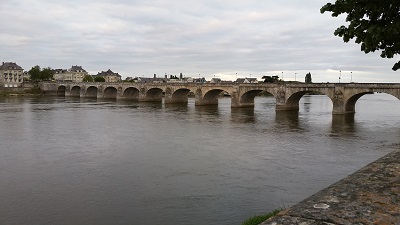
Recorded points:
150,80
109,76
74,74
26,76
59,74
11,75
199,80
246,80
215,80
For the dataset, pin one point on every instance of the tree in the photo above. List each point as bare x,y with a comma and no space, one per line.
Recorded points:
46,74
308,78
37,74
374,24
269,79
34,73
99,79
87,78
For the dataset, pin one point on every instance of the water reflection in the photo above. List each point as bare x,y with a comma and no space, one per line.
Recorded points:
151,105
343,124
176,107
287,120
243,115
192,164
207,110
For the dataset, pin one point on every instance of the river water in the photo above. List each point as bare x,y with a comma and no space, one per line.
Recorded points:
88,161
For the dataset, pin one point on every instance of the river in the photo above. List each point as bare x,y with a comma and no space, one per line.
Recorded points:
88,161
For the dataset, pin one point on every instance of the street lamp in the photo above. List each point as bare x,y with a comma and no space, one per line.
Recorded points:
282,75
340,75
351,77
295,74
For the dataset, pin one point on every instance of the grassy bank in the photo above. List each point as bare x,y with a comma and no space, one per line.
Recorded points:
261,218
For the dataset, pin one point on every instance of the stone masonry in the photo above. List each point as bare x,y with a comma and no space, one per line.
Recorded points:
369,196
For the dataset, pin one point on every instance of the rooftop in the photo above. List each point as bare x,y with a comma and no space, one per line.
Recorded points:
10,66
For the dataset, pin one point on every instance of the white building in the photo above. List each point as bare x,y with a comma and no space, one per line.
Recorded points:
246,80
11,75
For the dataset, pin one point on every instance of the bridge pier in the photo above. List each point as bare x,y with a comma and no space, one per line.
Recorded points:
210,99
283,103
202,101
236,97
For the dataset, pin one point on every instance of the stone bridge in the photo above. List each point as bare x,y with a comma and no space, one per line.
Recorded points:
343,95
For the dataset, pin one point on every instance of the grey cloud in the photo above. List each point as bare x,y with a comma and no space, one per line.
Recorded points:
194,37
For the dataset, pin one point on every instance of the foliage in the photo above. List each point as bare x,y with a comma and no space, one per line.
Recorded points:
38,74
34,73
374,24
173,77
308,78
259,219
270,79
87,78
99,79
47,74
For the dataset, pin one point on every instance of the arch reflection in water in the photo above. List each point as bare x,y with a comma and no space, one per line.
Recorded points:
208,110
243,115
176,107
287,120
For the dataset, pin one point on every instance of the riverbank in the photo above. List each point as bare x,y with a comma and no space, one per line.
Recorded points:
368,196
26,90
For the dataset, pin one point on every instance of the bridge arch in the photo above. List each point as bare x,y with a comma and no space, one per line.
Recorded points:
76,91
61,90
350,104
210,97
178,96
292,103
154,95
247,99
91,92
110,92
131,93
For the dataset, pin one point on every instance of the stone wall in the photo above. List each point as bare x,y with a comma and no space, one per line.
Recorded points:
369,196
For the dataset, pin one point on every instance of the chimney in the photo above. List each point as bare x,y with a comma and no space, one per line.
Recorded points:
154,75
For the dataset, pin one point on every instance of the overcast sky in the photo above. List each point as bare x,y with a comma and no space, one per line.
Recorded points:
204,38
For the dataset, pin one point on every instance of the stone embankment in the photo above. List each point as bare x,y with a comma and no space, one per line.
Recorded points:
369,196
